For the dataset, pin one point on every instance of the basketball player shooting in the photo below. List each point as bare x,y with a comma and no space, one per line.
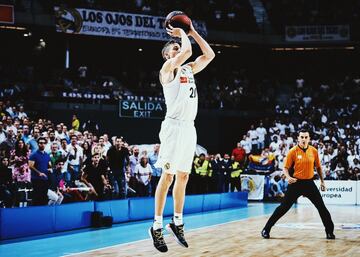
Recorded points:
177,134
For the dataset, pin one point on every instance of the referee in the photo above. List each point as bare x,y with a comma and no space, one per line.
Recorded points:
302,159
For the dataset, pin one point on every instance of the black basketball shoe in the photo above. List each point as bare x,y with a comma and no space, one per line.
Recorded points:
158,239
265,234
178,233
330,236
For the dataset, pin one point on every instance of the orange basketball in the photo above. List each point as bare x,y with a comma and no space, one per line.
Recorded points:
178,19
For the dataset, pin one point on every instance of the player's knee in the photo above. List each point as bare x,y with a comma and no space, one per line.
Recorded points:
168,178
182,177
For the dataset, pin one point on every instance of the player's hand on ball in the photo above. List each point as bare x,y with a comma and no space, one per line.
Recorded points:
192,29
174,32
322,186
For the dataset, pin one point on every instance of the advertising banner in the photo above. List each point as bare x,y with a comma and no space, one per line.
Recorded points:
114,24
337,192
254,185
317,33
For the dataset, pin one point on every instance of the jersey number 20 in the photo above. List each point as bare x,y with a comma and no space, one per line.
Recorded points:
193,92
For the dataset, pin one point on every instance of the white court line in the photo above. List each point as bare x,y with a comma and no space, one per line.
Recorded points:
167,235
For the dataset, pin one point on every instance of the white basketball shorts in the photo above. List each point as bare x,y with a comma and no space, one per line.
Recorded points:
177,146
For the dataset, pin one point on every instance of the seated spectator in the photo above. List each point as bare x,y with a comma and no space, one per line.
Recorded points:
6,180
275,189
55,177
20,155
354,169
87,151
33,140
143,174
21,114
40,165
283,184
246,144
75,159
9,144
239,154
2,132
134,159
10,126
328,175
94,176
341,172
75,123
51,140
261,133
107,143
156,172
116,157
59,133
98,149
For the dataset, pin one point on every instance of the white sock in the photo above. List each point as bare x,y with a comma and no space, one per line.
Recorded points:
178,219
158,222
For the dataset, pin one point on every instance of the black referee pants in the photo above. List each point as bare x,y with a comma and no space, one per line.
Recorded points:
308,189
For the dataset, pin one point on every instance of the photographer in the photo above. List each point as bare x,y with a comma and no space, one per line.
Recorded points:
75,159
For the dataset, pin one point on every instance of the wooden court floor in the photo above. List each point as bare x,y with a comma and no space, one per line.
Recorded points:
298,233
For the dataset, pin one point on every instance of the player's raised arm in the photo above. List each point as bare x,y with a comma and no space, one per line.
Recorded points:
208,54
176,57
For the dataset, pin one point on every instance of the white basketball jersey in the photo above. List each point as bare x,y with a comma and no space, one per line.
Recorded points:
181,95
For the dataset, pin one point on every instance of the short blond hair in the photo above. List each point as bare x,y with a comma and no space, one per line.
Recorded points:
166,47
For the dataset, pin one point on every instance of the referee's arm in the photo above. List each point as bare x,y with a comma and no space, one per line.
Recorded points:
319,171
289,161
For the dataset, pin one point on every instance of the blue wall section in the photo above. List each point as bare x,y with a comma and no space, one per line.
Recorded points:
73,216
118,209
104,207
22,222
141,208
231,200
211,202
169,207
193,203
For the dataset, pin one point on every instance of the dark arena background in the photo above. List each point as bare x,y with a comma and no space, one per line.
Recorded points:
82,74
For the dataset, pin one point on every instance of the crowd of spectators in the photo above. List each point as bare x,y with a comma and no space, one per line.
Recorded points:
45,163
222,90
311,12
225,90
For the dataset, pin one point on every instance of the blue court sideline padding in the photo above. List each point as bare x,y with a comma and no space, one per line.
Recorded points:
104,207
21,222
30,221
231,200
73,216
211,202
120,210
169,207
141,208
193,203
